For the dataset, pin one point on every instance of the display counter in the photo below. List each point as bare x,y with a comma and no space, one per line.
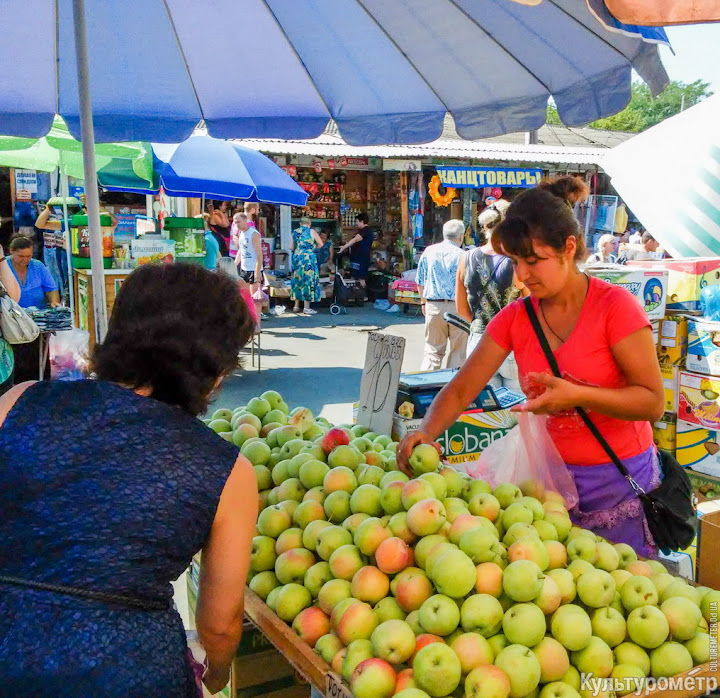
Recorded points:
83,294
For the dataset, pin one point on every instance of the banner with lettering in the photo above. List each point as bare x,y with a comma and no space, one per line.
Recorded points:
479,177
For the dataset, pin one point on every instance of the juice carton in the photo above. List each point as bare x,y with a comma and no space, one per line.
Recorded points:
665,433
703,351
673,341
649,286
699,400
687,277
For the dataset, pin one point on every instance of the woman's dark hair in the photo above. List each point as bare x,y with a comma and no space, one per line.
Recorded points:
544,213
363,218
177,329
20,243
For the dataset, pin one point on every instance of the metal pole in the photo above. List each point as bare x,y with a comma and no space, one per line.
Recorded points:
87,132
65,192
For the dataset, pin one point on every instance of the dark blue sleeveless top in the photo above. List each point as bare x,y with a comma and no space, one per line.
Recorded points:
103,490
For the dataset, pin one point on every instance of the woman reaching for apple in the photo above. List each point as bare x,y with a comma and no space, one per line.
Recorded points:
110,486
602,341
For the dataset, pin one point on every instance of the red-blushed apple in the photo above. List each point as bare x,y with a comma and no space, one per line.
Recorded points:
437,670
683,617
464,522
288,540
557,554
345,562
488,579
392,555
553,658
486,505
472,650
290,567
370,584
334,438
530,548
373,678
369,534
356,623
521,667
399,528
487,682
413,590
415,491
339,610
306,513
393,641
550,596
423,640
311,624
638,567
404,680
338,661
426,517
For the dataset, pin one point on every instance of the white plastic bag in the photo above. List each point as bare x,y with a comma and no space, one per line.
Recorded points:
69,354
527,457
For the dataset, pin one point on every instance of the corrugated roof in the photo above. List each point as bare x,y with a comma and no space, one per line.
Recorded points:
556,144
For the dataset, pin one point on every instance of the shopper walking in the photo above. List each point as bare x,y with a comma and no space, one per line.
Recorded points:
305,282
603,343
107,497
605,250
437,272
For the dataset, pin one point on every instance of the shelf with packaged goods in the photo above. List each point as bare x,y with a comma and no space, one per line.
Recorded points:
316,220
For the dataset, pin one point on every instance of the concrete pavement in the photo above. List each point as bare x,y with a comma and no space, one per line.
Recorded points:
317,361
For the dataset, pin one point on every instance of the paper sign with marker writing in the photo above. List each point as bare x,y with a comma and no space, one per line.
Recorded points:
379,384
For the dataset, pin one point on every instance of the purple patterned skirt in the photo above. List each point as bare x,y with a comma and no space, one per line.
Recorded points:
609,507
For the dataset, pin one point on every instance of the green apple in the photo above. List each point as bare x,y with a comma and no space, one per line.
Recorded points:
582,548
648,627
698,646
632,654
263,583
453,481
312,473
524,624
680,588
262,554
358,430
438,482
272,521
366,500
517,513
424,459
361,444
273,398
558,689
257,452
609,625
330,539
291,599
225,414
453,574
439,615
288,540
220,426
328,646
353,522
683,617
311,533
571,627
346,456
546,530
483,614
522,580
389,609
393,641
357,652
517,531
595,658
259,407
372,475
437,670
316,577
263,477
638,591
393,476
291,566
565,583
596,588
670,659
506,494
521,666
332,593
291,489
473,488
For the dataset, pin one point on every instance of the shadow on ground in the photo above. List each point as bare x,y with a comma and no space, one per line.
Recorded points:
310,387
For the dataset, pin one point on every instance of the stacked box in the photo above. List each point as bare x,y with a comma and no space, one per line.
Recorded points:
673,340
649,286
665,433
703,350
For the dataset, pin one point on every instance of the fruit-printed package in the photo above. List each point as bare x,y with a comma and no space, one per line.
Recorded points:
673,341
152,251
703,352
686,278
699,400
665,433
649,286
698,448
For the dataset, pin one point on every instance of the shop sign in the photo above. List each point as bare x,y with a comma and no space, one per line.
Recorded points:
479,177
26,180
391,165
350,163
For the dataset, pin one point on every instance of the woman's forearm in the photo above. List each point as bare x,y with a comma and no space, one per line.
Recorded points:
444,411
220,645
632,403
9,281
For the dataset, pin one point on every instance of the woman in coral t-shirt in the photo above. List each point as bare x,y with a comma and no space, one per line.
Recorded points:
603,344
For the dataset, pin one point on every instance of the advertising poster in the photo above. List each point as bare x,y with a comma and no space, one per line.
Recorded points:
82,303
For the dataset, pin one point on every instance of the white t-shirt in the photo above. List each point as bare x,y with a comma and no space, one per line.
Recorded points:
248,255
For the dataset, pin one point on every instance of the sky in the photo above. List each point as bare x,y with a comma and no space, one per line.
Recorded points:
697,54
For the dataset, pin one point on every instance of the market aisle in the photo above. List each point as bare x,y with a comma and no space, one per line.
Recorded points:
317,361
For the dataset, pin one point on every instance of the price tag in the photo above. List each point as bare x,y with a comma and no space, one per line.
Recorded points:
379,384
335,688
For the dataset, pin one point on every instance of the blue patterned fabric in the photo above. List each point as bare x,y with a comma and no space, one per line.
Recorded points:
7,360
108,491
437,270
305,281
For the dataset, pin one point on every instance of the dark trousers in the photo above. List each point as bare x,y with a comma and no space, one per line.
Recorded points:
27,362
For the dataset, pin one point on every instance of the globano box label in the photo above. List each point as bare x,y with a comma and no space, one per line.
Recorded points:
465,440
703,352
649,286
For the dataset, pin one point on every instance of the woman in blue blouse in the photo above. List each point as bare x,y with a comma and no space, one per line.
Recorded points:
7,358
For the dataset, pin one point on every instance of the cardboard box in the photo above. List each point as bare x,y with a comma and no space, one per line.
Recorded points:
468,437
649,286
706,487
698,448
267,674
703,348
152,250
679,564
673,341
665,433
686,278
708,550
699,400
670,377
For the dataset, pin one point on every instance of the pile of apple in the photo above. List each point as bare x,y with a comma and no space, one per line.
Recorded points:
440,585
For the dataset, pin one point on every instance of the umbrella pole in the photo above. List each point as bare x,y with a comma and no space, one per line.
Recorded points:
65,192
87,132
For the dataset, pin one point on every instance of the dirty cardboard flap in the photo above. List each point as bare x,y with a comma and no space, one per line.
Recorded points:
708,571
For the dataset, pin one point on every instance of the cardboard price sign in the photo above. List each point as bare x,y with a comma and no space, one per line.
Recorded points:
335,688
380,378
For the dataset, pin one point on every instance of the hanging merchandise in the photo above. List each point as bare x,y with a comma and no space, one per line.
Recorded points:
434,191
416,204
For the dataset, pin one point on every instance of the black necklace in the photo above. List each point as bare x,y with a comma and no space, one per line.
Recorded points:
542,312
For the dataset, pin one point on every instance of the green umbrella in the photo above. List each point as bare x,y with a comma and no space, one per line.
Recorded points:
119,164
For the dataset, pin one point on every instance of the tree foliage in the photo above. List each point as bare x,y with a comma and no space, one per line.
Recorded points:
645,111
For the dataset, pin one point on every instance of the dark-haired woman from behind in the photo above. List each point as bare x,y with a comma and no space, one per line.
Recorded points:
107,497
603,344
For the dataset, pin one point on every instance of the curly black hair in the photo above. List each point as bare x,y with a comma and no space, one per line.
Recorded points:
176,329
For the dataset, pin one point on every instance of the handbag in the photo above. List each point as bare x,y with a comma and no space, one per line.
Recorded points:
670,509
16,326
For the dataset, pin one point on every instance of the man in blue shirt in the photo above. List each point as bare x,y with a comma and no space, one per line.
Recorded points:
37,286
436,281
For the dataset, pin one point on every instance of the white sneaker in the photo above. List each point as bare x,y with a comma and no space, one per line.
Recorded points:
309,311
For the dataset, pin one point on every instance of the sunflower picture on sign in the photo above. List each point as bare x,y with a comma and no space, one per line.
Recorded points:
434,191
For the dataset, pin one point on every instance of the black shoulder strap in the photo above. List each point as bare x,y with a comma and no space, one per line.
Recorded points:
545,345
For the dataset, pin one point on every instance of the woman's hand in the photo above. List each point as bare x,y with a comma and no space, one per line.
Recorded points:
559,395
406,446
215,680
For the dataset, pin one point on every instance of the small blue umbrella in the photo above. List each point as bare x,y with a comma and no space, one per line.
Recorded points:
216,169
